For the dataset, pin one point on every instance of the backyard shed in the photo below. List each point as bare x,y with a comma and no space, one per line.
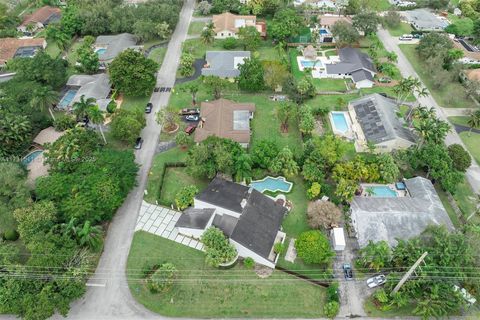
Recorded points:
338,239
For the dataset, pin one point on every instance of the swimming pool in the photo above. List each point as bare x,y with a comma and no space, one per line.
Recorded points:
67,99
381,192
324,31
101,51
339,122
311,64
278,184
31,156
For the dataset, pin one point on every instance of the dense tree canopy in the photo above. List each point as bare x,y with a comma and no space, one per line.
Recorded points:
286,23
314,247
251,75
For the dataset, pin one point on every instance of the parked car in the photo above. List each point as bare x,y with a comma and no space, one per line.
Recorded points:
190,129
138,143
192,118
376,281
385,80
149,107
347,271
189,111
406,37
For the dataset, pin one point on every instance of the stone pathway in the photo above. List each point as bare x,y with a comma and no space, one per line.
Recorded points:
161,222
291,254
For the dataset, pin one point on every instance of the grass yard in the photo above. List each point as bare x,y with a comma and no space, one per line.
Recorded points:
372,311
158,54
131,103
460,120
451,213
443,96
472,142
465,198
296,220
52,49
174,180
205,292
403,28
196,27
156,171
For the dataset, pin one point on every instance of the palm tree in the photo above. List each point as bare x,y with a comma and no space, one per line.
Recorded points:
96,116
208,34
80,107
285,111
70,229
43,98
243,167
473,121
90,236
192,88
392,56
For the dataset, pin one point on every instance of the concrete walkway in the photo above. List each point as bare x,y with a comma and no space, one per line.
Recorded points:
453,112
161,222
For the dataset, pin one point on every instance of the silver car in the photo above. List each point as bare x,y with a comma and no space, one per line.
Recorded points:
376,281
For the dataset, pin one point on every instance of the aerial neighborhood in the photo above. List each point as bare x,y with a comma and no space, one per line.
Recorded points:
240,159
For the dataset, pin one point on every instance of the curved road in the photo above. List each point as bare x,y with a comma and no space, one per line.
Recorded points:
112,299
391,44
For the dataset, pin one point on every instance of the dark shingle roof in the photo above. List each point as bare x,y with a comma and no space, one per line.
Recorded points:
225,194
225,223
194,218
351,60
360,75
259,224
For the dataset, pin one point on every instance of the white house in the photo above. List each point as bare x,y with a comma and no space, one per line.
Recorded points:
251,220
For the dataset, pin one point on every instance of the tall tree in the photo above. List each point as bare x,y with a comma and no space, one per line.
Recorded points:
95,115
80,108
285,24
251,76
208,33
44,98
473,120
249,38
15,133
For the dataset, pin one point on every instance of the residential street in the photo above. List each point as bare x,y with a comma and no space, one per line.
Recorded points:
391,44
111,298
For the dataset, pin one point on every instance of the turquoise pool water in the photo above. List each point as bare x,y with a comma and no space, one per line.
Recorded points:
383,192
31,156
340,122
67,99
100,51
272,184
311,64
323,31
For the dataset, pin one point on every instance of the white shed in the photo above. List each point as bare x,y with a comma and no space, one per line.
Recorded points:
338,239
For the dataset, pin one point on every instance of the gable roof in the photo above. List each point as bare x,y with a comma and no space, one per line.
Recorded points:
329,21
195,218
43,15
423,18
351,60
377,116
387,219
48,135
10,46
224,64
227,21
95,86
223,118
224,194
115,44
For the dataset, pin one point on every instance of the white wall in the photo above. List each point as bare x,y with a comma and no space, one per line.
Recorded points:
225,34
245,253
364,84
198,204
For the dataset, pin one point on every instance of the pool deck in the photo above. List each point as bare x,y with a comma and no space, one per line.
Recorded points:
349,133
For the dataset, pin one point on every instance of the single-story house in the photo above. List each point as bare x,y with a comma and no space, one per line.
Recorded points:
325,24
95,86
109,47
251,221
227,25
224,64
375,120
424,20
39,19
392,218
13,48
352,64
471,55
322,5
225,119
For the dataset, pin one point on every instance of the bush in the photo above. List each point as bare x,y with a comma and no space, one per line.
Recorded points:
461,159
163,279
64,122
313,247
331,309
218,248
229,43
184,197
111,107
314,191
332,292
279,248
10,235
249,263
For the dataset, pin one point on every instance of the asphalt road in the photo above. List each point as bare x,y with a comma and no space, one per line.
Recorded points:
111,297
391,44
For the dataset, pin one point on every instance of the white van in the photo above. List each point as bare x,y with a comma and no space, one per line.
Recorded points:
406,37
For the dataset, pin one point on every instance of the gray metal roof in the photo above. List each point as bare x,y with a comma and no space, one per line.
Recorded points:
377,116
424,19
395,218
224,63
351,60
195,218
241,120
95,86
114,45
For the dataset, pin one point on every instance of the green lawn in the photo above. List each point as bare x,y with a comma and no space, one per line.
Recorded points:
403,28
134,102
158,54
296,220
196,27
461,120
472,142
156,171
174,180
443,96
52,49
451,213
465,198
205,292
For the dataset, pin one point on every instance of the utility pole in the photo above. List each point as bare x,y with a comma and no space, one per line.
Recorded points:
409,273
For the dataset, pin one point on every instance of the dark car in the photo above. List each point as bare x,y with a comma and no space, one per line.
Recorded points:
190,129
189,111
138,143
347,271
192,118
149,107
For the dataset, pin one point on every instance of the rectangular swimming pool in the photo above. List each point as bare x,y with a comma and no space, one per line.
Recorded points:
67,98
382,192
311,64
339,121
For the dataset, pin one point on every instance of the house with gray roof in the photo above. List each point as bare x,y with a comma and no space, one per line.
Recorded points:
352,64
109,47
375,120
391,218
224,64
251,220
95,86
425,20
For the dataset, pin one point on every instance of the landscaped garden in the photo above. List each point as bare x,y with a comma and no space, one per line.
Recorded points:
203,291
